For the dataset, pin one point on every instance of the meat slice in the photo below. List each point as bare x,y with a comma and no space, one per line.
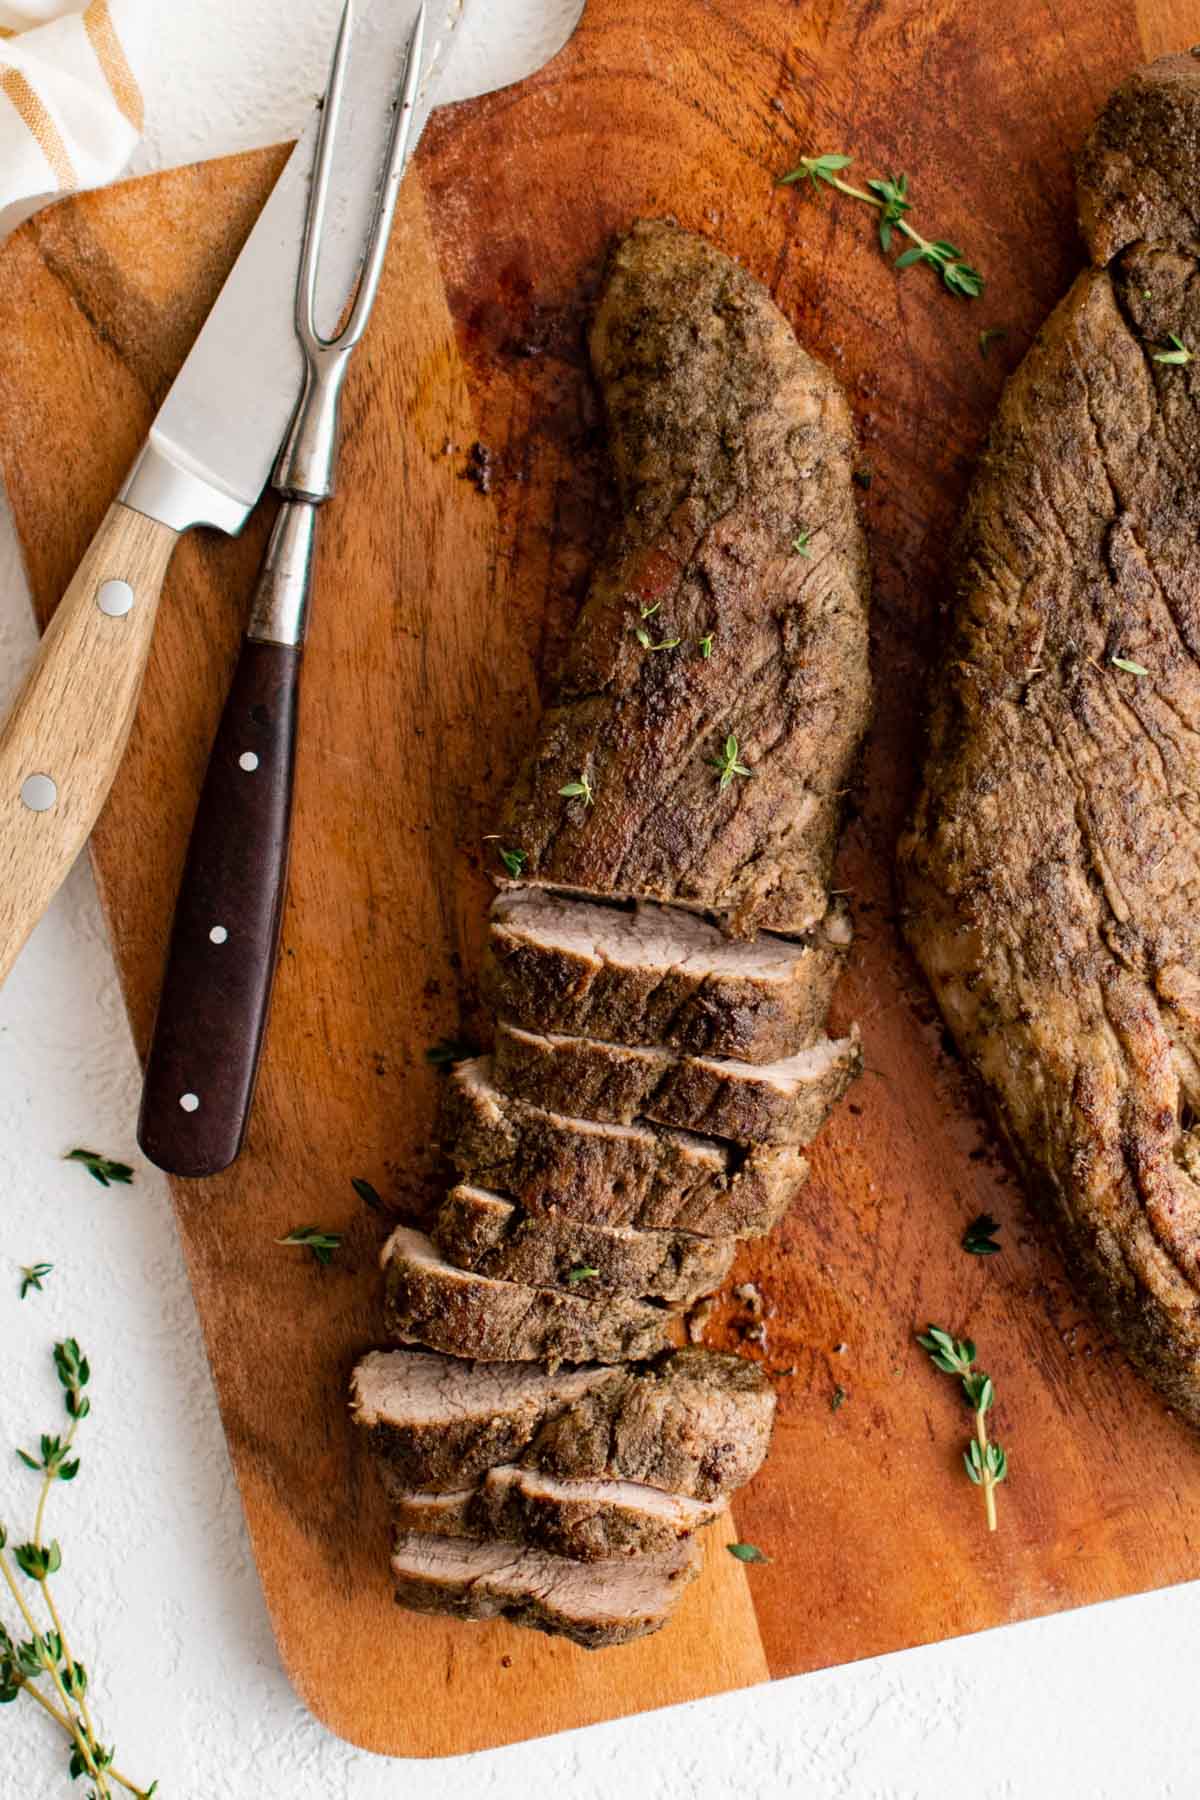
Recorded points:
587,1521
765,1103
657,976
1051,875
733,451
437,1423
698,1424
695,1423
593,1604
482,1231
427,1301
648,1176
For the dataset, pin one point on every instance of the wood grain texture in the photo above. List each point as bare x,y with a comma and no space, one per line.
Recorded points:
70,722
441,614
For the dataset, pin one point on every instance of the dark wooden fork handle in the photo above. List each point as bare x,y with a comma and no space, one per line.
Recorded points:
216,993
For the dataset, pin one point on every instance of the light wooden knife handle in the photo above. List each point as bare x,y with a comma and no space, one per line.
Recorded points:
64,737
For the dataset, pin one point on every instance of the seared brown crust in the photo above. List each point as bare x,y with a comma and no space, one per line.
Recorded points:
1052,872
428,1302
482,1231
593,1604
650,1177
728,442
772,1103
1137,171
759,1002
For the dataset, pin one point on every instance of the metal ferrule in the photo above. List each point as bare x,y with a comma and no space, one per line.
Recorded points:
307,463
279,611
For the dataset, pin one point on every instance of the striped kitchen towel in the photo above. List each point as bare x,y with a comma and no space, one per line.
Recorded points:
70,98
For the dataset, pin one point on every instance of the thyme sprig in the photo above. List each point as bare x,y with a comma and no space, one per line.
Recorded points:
985,1462
45,1655
33,1276
320,1243
514,862
890,197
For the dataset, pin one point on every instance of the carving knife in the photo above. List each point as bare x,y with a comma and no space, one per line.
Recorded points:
205,462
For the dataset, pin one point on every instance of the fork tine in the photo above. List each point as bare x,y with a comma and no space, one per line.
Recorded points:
314,222
389,188
385,200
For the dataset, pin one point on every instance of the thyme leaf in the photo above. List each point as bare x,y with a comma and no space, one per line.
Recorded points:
514,861
368,1193
1178,353
979,1239
1130,667
748,1553
101,1168
579,789
447,1051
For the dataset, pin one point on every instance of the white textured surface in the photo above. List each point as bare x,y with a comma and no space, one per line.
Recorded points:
157,1576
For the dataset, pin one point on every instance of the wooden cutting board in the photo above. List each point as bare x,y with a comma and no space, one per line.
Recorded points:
441,613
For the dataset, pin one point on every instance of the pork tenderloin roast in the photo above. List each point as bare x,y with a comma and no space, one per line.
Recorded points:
661,970
1051,874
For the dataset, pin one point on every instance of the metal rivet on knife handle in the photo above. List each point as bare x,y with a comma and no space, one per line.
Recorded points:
39,792
114,598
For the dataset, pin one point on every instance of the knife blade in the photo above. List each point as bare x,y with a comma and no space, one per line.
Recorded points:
205,462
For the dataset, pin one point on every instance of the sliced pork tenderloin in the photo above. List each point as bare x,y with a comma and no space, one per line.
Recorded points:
429,1302
733,451
696,1422
750,1103
483,1231
659,976
438,1423
649,1176
593,1604
588,1521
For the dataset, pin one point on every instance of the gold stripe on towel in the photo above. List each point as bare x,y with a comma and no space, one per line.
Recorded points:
32,113
97,22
